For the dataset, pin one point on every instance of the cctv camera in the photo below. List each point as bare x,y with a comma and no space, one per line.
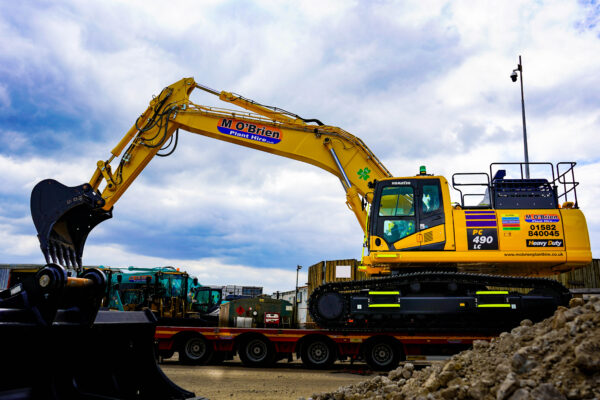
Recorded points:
513,76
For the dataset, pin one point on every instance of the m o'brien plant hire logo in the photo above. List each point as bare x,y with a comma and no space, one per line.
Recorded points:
249,130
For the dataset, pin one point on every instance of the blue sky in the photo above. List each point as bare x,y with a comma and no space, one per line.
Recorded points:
419,82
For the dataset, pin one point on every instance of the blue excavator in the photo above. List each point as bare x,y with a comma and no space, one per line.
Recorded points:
175,297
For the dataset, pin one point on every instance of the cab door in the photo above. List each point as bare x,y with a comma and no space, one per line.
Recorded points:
431,217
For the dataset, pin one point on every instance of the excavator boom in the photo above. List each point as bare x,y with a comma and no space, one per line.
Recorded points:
64,215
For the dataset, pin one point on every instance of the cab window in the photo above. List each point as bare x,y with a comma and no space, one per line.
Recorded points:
398,229
431,198
203,296
397,202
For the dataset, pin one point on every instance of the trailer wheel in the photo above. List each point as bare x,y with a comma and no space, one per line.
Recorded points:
383,355
194,350
317,353
257,352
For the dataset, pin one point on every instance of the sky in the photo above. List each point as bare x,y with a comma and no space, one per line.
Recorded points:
420,82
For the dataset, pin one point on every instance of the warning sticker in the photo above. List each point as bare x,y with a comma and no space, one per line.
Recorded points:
511,222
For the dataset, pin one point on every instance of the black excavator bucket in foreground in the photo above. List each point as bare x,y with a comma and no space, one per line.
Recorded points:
63,217
56,344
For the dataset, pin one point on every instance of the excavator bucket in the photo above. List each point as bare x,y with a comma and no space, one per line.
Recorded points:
63,217
56,344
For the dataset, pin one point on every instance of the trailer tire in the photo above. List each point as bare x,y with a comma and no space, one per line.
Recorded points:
194,350
257,351
317,353
383,355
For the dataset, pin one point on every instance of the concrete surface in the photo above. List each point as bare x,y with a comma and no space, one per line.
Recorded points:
284,380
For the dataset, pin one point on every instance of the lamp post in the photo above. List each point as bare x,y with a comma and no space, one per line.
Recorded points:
514,76
298,268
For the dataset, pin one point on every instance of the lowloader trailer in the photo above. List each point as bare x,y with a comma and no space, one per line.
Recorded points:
317,348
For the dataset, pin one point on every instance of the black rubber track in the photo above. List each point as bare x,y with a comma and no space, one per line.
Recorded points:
433,324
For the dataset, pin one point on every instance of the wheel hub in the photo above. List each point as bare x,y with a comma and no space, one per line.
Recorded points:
318,352
382,353
195,349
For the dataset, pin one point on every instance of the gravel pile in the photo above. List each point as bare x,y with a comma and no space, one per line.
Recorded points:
558,358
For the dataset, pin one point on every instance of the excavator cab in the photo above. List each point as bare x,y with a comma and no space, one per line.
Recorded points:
499,226
207,300
408,214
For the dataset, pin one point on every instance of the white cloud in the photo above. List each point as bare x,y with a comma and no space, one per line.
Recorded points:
13,141
14,245
4,97
20,174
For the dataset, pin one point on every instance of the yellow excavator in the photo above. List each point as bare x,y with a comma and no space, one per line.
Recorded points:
435,265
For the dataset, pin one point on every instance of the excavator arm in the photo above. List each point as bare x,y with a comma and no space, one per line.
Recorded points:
64,216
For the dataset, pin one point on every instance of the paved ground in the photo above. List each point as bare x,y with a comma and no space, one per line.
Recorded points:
284,381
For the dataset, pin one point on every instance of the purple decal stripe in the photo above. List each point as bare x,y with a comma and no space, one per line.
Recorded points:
477,224
477,216
480,212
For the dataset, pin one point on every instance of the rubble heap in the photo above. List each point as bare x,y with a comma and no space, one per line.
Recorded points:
558,358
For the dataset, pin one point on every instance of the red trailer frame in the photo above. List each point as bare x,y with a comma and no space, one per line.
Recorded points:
317,348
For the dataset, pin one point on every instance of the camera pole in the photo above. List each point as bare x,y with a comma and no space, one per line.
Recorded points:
514,79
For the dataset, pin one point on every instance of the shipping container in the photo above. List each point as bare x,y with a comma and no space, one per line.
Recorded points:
257,312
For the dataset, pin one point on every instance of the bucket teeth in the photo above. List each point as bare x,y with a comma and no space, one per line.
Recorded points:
67,256
53,253
46,252
62,255
73,259
59,254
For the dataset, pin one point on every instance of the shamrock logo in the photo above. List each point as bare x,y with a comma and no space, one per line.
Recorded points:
363,173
